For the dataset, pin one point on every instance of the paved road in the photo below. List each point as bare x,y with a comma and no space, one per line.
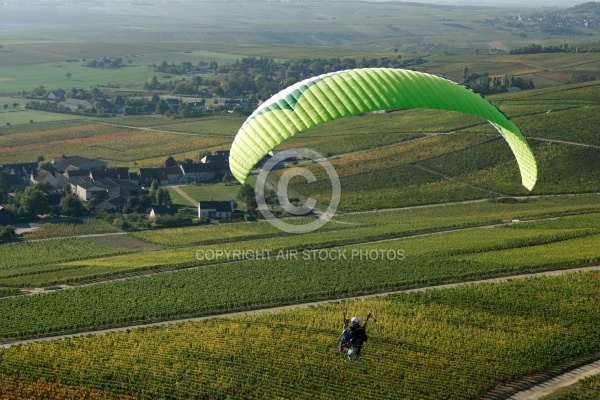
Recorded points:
560,382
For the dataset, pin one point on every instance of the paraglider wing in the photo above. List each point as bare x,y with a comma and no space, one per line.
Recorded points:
339,94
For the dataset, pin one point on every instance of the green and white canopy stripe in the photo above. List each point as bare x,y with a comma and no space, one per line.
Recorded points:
339,94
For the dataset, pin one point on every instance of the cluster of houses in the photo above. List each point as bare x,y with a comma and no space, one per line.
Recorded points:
113,186
173,103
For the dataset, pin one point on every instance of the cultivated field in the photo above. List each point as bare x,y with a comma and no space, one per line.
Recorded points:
428,198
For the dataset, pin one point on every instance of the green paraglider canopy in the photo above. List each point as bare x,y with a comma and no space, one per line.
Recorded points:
335,95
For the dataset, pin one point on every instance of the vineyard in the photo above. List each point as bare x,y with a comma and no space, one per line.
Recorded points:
62,261
456,343
322,274
429,198
102,141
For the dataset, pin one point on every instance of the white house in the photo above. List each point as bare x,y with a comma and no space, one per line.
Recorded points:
215,209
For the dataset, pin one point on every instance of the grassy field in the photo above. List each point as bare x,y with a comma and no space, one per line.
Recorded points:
214,191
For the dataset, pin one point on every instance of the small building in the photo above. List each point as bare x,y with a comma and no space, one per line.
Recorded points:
61,164
87,191
17,182
44,177
159,211
202,172
215,209
76,104
163,175
21,168
56,95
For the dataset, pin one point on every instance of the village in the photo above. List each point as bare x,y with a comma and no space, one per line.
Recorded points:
115,190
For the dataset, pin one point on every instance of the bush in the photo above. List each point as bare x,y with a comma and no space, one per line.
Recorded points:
7,233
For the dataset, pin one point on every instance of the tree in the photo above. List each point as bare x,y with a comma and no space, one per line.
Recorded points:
248,196
162,107
5,106
15,105
68,75
71,205
33,201
46,166
170,162
160,196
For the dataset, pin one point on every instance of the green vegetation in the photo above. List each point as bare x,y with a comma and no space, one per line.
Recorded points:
19,258
86,226
459,343
287,279
344,230
215,191
9,291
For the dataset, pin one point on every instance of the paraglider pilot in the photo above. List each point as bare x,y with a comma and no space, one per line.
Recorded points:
353,337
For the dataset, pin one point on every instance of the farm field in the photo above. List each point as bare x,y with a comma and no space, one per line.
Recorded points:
463,341
104,141
430,199
234,286
24,271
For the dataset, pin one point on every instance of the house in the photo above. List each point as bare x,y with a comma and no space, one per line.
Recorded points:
173,104
158,211
61,164
215,209
87,191
44,177
201,172
106,106
242,104
223,153
17,182
118,187
218,156
56,95
198,105
164,175
20,168
61,179
76,104
4,216
114,204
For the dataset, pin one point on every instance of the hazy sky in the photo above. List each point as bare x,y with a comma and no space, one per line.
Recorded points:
505,3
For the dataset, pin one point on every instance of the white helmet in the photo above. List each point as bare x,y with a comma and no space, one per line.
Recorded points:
355,320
